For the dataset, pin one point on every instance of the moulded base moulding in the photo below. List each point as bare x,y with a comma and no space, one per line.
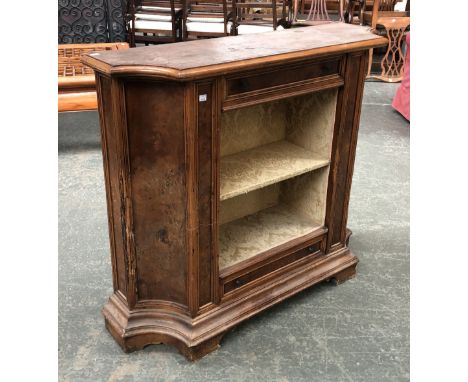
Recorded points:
198,336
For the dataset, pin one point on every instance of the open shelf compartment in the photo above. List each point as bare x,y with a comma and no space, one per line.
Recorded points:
274,173
265,165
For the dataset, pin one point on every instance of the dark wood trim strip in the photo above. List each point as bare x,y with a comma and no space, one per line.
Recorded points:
125,189
363,61
220,86
191,173
272,254
108,184
282,91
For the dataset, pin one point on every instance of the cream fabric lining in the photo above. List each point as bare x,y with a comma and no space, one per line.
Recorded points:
259,167
250,203
306,121
256,233
269,192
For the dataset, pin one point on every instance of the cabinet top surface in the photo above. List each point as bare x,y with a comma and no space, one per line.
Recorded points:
203,58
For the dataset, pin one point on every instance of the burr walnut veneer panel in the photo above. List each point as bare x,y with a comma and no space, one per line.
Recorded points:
228,166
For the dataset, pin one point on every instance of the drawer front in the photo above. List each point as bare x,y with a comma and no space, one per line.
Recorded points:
275,83
246,278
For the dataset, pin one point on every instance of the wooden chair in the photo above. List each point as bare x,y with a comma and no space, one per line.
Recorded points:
150,21
354,11
212,18
319,11
76,82
258,17
384,20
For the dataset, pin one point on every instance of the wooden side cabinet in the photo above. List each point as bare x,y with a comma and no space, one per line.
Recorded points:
228,166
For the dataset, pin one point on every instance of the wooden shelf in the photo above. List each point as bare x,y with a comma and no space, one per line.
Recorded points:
244,238
265,165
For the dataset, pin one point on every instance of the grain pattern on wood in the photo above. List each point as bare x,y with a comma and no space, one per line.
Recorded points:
158,178
183,61
78,101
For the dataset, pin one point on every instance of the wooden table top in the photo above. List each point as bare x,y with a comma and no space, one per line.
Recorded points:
208,57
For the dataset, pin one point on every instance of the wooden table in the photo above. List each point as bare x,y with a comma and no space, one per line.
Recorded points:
228,166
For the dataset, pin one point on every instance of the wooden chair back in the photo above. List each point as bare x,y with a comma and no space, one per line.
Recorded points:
156,10
262,13
353,7
318,11
209,11
380,8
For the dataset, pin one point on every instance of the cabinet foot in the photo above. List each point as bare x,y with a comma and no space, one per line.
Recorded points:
195,338
196,352
134,333
344,275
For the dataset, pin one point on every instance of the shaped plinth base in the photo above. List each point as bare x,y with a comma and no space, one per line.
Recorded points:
160,322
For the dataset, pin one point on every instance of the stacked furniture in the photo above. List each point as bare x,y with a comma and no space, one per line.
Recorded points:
172,20
76,82
212,18
150,21
261,16
228,177
319,8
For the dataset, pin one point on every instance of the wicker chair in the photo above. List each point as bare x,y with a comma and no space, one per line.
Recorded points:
76,82
203,19
150,21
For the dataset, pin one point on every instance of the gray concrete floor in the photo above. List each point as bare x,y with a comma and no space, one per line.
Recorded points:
358,331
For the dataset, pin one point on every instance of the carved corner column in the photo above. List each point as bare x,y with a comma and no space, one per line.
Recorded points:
344,144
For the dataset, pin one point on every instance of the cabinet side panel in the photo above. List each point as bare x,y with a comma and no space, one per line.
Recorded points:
110,149
155,115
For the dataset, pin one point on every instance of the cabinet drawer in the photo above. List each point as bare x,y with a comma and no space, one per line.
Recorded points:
236,280
277,83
